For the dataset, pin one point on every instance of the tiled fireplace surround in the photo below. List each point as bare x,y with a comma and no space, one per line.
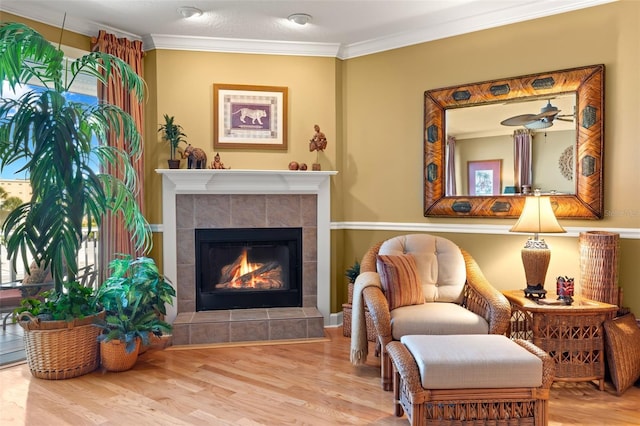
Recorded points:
246,199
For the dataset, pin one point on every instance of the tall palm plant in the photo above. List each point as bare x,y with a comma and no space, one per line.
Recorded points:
52,136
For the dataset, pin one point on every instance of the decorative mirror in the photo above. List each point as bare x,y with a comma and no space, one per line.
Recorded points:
561,110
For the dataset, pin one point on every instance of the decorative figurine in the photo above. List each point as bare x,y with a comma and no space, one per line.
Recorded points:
303,166
564,289
317,143
196,157
216,163
294,165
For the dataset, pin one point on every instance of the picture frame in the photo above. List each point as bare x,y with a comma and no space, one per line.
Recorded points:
250,117
484,177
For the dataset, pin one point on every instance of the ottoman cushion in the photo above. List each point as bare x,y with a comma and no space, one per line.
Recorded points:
436,318
473,362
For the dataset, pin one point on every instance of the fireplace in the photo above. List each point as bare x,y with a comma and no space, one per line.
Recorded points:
231,199
241,268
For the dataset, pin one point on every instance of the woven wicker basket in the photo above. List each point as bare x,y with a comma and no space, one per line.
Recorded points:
60,349
599,266
114,356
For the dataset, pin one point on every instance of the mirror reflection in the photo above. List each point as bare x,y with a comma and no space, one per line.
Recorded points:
512,147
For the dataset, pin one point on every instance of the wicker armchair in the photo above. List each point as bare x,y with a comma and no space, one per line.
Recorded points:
475,295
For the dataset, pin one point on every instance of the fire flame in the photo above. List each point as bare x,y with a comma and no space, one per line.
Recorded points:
246,268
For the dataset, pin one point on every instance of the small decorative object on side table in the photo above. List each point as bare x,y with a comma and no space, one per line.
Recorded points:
572,334
564,289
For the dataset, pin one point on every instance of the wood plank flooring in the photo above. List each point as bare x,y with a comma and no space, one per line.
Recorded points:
282,384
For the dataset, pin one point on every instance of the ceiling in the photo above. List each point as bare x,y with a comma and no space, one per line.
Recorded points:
343,29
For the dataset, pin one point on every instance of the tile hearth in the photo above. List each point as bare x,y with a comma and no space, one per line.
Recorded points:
243,325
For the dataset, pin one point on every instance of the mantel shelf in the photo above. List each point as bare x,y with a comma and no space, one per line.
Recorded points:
215,181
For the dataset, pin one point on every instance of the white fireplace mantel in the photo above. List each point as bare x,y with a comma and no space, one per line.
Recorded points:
210,181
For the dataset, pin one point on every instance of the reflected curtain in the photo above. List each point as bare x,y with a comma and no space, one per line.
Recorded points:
522,158
450,179
114,237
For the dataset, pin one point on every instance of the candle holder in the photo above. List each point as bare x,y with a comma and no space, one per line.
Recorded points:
565,289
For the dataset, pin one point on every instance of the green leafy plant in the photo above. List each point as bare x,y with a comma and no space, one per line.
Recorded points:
52,137
353,271
77,301
172,133
135,297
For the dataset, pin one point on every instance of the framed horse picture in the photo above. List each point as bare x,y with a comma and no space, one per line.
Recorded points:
249,117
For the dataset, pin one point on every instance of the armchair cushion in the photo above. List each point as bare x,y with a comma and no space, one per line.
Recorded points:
436,318
440,264
400,281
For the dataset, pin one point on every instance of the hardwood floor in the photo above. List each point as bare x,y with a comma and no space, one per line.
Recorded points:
282,384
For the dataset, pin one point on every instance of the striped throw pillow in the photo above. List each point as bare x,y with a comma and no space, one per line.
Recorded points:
400,282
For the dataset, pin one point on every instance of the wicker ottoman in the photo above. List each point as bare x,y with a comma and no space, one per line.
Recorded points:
470,380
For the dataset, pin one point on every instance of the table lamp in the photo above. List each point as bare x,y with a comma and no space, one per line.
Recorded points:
537,217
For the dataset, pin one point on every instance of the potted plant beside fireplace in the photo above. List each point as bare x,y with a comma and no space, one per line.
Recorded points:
134,297
52,138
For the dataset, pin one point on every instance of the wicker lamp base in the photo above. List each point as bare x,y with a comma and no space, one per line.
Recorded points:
535,258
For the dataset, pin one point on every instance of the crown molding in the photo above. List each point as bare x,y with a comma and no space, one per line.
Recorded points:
453,22
81,26
227,45
447,23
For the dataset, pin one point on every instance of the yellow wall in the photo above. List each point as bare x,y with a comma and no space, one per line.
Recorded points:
183,83
371,109
383,107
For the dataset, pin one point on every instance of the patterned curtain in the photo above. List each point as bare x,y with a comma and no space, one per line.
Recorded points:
114,237
522,157
450,179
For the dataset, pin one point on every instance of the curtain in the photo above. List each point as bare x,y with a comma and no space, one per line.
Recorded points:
114,237
522,157
450,179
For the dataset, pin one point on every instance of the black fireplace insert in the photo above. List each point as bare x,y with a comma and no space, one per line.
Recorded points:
241,268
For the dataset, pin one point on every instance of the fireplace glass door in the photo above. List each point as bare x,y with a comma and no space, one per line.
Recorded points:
238,268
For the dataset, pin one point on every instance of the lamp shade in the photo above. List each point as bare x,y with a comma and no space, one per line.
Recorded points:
537,217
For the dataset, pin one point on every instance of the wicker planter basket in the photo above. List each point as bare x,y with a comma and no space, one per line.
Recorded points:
60,349
599,266
114,356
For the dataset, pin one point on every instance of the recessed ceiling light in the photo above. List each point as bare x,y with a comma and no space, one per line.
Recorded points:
189,12
300,18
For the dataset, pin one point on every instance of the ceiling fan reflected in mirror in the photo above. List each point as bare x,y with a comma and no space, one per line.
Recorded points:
544,119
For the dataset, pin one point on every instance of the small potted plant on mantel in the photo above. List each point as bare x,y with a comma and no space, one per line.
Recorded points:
134,298
173,134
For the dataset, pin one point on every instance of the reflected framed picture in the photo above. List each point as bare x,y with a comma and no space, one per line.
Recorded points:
484,177
249,117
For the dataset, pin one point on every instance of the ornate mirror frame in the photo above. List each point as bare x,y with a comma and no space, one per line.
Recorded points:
586,203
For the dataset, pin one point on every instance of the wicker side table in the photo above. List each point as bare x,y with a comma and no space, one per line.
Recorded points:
573,335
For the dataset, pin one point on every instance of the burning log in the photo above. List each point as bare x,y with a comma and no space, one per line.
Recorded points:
266,276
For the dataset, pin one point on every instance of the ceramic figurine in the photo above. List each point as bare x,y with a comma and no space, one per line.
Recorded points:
196,157
216,163
317,143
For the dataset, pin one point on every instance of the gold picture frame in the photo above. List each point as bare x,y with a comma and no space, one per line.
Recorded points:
250,117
